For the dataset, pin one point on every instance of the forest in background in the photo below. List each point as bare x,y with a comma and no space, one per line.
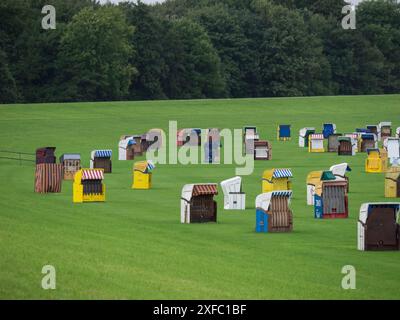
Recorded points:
190,49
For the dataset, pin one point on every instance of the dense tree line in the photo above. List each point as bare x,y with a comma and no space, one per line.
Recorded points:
184,49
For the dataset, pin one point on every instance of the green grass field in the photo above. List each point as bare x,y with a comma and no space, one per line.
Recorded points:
134,247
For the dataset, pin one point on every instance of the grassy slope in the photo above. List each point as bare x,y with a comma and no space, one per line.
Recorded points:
133,246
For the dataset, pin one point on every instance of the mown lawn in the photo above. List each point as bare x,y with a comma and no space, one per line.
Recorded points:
134,247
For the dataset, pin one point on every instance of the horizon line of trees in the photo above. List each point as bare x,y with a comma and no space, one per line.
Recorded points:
186,49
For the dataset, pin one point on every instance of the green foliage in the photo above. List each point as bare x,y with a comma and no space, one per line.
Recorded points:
194,65
292,60
357,66
379,22
94,55
324,7
31,51
197,49
149,42
8,88
226,28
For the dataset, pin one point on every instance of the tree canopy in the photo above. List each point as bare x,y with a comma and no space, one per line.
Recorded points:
182,49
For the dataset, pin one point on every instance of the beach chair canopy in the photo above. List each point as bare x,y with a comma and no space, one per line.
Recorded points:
345,139
340,169
92,174
126,142
70,156
316,177
282,173
372,127
45,155
233,185
385,124
102,153
368,136
284,130
367,207
277,173
373,151
328,129
193,190
144,166
45,150
327,176
306,131
250,132
317,136
204,189
263,200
